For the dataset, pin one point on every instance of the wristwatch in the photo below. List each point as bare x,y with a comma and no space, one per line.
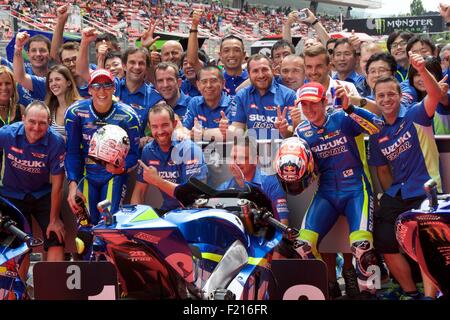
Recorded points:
363,102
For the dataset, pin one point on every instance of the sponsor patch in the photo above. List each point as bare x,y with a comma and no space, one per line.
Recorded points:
270,108
38,155
17,150
308,134
153,162
253,106
384,139
305,128
309,90
347,173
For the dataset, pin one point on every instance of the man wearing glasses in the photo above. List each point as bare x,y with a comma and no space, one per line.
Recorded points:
396,45
82,120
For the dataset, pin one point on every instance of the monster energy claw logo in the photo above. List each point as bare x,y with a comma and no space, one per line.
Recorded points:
378,24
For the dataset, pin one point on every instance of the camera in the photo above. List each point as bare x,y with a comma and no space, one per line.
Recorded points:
303,14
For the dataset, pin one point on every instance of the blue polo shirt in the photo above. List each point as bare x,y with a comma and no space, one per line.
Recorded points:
189,89
409,93
183,160
270,186
364,89
232,82
401,74
27,167
182,104
39,89
408,146
441,120
207,117
141,101
261,112
353,77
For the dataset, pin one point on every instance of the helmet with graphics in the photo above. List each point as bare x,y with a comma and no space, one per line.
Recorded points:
294,165
109,144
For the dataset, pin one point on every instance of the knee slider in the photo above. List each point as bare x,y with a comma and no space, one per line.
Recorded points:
304,249
365,256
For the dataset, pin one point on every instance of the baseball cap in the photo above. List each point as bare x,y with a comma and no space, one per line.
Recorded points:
100,73
311,91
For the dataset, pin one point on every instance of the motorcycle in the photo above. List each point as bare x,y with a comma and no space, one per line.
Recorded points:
218,246
424,234
15,243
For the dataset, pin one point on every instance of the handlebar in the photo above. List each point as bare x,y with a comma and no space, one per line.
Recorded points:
6,223
289,231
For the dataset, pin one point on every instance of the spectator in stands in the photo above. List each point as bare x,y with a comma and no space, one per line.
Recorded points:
401,145
156,166
113,63
232,55
9,98
330,47
168,83
256,106
61,93
396,45
207,115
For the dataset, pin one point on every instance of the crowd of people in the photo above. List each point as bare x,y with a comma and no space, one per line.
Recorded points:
328,97
253,21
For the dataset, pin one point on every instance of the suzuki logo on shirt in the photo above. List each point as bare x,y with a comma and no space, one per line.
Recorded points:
329,145
262,118
27,163
168,175
401,145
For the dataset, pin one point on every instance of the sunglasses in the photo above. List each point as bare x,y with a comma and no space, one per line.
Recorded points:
98,86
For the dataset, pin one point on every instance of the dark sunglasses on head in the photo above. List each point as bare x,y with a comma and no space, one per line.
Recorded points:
330,51
98,86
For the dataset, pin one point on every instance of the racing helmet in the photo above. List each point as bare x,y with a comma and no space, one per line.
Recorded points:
294,165
109,144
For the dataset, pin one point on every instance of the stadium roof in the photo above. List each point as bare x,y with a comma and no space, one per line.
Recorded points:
364,4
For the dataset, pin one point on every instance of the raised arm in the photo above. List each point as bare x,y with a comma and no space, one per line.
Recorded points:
192,49
21,76
62,13
88,35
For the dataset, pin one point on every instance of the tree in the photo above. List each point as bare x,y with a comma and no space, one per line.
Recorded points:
417,8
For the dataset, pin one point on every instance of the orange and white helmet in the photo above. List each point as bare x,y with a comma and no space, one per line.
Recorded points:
109,144
294,165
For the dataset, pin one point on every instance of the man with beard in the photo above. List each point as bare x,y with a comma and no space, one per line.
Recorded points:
165,162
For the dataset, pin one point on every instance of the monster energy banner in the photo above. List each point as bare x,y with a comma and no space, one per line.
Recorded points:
384,26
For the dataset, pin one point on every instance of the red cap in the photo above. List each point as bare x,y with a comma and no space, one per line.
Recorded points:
311,91
100,73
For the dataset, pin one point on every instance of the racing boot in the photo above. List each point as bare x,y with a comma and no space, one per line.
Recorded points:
351,283
334,291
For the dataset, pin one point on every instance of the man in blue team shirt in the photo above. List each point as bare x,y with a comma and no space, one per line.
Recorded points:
165,163
208,114
406,144
33,173
32,87
336,141
132,89
168,82
255,107
82,120
244,166
232,55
